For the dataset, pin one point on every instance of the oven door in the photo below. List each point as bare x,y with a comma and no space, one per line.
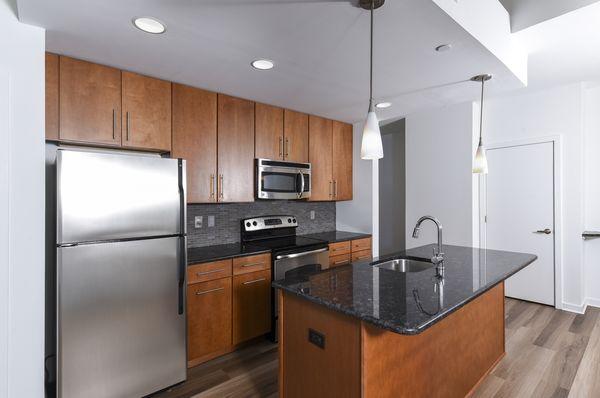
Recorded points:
295,266
282,182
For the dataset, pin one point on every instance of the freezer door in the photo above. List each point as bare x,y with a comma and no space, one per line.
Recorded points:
104,196
120,331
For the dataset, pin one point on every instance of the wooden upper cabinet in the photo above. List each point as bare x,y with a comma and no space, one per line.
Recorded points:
52,61
295,134
90,102
269,132
320,156
146,115
342,161
195,140
235,137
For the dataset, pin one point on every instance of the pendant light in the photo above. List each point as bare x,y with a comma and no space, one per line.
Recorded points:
371,147
480,165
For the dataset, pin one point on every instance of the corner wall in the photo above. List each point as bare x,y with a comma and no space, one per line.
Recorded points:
439,179
21,207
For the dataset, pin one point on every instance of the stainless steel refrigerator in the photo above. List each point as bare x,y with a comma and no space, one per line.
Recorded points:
120,273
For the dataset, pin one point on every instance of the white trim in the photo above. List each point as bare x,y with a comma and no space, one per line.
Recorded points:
558,220
593,302
576,308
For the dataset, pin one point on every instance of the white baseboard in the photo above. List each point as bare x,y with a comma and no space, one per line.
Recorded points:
577,308
594,302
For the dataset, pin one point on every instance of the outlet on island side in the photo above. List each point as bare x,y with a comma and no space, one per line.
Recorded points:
198,222
211,221
312,214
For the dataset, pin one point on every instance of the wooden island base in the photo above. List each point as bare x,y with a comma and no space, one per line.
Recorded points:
358,359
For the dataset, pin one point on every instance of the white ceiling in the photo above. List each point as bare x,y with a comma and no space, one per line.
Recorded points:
526,13
320,49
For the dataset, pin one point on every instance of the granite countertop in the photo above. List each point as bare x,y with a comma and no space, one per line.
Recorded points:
337,236
222,252
408,303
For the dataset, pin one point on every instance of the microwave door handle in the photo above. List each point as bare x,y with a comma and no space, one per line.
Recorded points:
301,185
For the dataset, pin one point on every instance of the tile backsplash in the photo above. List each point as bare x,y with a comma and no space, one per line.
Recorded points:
227,218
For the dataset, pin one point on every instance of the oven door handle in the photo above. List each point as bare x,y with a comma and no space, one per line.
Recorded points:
294,255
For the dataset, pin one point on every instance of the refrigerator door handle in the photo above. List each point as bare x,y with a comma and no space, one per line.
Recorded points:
182,267
183,239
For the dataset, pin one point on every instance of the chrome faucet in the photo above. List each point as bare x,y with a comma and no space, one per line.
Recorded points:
438,257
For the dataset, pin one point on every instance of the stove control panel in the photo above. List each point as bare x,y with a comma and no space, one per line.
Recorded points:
268,222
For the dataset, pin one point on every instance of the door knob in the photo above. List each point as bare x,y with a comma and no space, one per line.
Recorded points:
546,231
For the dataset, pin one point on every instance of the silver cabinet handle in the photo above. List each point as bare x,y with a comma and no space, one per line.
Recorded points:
212,186
114,124
221,179
335,188
254,281
287,147
127,118
210,272
330,188
198,293
340,262
281,147
294,255
546,231
252,264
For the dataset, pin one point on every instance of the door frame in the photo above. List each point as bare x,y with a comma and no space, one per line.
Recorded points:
557,228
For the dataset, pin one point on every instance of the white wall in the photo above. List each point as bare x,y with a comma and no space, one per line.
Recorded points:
556,111
591,171
21,207
361,214
439,179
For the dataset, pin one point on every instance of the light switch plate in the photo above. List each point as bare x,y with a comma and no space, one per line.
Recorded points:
312,214
198,222
211,221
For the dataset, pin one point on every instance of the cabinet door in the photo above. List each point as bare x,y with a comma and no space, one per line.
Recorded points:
342,161
90,102
208,318
269,132
251,305
295,136
235,132
51,96
320,152
146,113
195,140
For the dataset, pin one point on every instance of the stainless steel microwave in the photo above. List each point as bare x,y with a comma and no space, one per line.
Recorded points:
276,179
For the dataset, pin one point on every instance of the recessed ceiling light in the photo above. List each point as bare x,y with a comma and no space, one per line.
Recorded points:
443,48
383,105
263,64
149,25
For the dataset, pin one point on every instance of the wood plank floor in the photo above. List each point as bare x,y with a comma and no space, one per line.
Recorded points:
549,353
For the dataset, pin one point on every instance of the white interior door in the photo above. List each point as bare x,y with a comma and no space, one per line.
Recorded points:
520,215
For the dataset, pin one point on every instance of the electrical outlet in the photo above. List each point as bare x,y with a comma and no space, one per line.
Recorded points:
198,222
211,221
312,214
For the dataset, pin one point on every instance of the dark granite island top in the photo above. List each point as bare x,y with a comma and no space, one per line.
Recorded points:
337,236
408,303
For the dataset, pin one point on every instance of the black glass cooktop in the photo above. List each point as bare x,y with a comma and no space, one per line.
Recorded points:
289,243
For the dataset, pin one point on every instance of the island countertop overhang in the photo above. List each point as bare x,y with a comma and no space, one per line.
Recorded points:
408,303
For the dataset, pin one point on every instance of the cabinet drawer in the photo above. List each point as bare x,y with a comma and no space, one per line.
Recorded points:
208,318
336,261
243,265
209,271
251,305
361,244
361,255
336,249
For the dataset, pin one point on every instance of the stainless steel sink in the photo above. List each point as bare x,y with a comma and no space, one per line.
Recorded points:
405,265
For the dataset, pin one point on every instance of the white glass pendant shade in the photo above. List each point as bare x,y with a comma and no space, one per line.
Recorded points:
480,165
371,147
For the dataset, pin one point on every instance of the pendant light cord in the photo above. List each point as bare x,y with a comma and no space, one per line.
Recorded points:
481,114
371,62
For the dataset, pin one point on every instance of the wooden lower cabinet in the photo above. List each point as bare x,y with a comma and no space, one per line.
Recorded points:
342,259
225,311
251,305
342,253
208,319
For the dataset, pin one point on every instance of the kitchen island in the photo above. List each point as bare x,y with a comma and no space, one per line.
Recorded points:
361,330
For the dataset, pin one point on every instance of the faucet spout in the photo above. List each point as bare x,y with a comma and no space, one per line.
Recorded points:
438,257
